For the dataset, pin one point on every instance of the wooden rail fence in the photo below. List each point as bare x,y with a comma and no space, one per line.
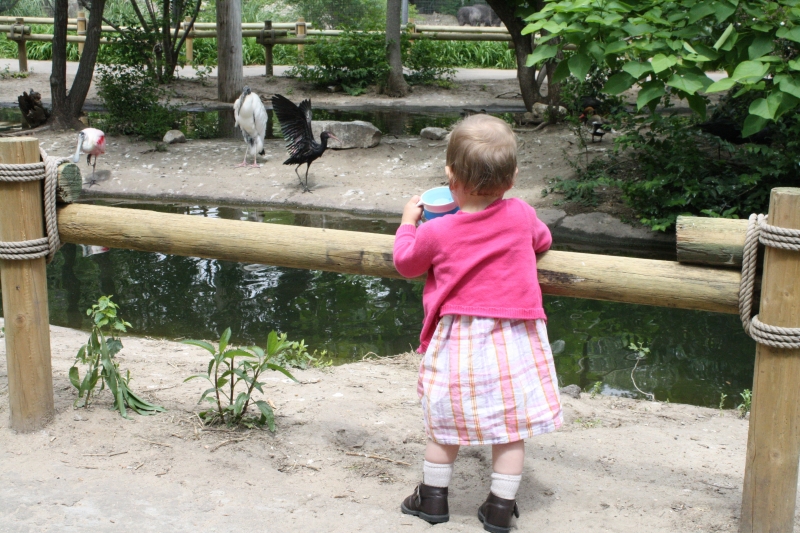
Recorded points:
267,34
773,448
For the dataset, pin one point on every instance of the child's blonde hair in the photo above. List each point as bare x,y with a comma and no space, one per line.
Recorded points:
482,155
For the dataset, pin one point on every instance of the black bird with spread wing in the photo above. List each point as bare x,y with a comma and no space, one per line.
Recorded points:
296,127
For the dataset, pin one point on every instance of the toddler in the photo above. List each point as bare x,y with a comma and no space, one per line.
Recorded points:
487,376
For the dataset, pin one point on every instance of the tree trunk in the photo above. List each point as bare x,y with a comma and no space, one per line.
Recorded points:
523,47
67,108
230,71
396,85
60,116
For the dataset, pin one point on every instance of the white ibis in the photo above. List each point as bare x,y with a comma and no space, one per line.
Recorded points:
91,142
251,117
296,127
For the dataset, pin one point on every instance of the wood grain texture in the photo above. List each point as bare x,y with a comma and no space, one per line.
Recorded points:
620,279
773,441
710,241
70,183
24,285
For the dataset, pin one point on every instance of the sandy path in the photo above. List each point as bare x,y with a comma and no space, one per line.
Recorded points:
617,465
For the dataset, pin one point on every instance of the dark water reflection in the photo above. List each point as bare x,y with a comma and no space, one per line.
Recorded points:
695,356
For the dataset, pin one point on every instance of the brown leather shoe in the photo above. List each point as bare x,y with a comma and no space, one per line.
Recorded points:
428,503
495,514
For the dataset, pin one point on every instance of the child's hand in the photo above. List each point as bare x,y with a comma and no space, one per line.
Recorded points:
411,212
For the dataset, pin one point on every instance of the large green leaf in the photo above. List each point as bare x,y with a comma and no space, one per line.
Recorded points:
540,53
562,72
792,34
790,85
616,47
282,370
649,92
750,70
722,85
637,69
761,46
202,344
753,124
74,377
684,84
700,10
767,107
223,341
619,83
660,62
723,10
266,411
579,65
697,104
724,37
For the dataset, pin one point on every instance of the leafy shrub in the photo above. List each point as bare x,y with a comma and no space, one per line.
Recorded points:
352,60
344,14
131,99
425,61
231,367
98,353
667,166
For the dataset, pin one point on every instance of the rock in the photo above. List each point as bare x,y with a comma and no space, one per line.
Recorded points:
356,134
334,88
602,229
434,134
571,390
540,110
174,136
557,346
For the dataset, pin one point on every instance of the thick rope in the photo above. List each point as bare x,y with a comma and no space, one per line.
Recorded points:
47,246
787,239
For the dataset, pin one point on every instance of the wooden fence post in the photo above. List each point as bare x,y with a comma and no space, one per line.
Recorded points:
24,285
81,29
268,34
300,31
22,49
773,441
187,27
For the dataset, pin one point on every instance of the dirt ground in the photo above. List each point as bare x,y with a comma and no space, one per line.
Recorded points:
378,179
347,450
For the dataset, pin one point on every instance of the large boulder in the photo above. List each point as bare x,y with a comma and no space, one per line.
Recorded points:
174,136
355,134
434,134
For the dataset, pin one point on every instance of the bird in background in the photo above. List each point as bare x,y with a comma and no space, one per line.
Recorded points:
251,117
91,142
296,128
594,121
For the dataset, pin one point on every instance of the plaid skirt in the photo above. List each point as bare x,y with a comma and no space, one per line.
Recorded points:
488,381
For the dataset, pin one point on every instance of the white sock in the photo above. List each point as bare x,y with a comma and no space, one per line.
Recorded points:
436,475
505,486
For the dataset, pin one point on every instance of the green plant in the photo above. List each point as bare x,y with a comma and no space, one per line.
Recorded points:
99,354
230,368
641,353
722,398
596,389
344,14
744,407
132,100
6,73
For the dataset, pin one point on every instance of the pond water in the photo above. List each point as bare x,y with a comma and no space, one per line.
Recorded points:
695,357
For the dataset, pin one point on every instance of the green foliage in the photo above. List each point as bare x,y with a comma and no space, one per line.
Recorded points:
132,101
744,407
722,398
355,60
596,389
667,166
98,353
352,60
231,367
362,15
7,74
666,47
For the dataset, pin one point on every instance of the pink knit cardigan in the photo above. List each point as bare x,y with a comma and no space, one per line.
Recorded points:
478,264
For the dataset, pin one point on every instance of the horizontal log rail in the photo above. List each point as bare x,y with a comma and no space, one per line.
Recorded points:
710,241
620,279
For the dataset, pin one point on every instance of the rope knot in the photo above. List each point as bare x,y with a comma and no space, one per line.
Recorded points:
46,169
758,231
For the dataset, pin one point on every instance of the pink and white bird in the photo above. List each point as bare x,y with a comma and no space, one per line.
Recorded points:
91,142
